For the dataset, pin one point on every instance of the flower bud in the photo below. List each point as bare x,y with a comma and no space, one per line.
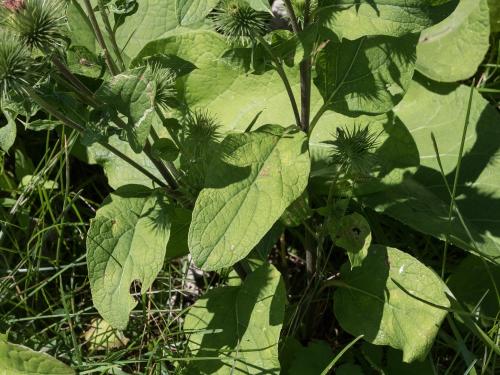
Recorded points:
38,23
239,22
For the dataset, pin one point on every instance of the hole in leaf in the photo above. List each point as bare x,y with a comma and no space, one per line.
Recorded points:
135,289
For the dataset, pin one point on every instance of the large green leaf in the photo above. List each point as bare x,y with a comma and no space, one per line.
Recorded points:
422,200
20,360
236,329
126,242
353,19
132,94
392,300
216,82
453,49
153,20
406,183
262,5
246,192
119,172
368,75
80,28
192,11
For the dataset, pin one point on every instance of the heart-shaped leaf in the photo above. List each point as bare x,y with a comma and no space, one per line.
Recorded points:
392,299
261,174
126,243
367,75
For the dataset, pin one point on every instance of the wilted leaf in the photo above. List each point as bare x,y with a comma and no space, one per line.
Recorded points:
101,336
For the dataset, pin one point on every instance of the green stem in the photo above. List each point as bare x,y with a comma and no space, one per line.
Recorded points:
455,181
305,79
100,39
81,89
284,78
172,170
73,125
162,168
111,34
168,172
316,118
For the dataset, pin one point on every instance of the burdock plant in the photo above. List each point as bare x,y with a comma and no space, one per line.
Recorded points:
353,150
164,79
239,22
33,27
17,67
38,23
227,189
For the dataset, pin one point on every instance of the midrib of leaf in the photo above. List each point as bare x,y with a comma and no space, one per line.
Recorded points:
341,83
371,73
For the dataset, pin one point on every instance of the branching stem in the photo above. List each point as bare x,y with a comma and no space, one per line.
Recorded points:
100,39
168,170
111,34
73,125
